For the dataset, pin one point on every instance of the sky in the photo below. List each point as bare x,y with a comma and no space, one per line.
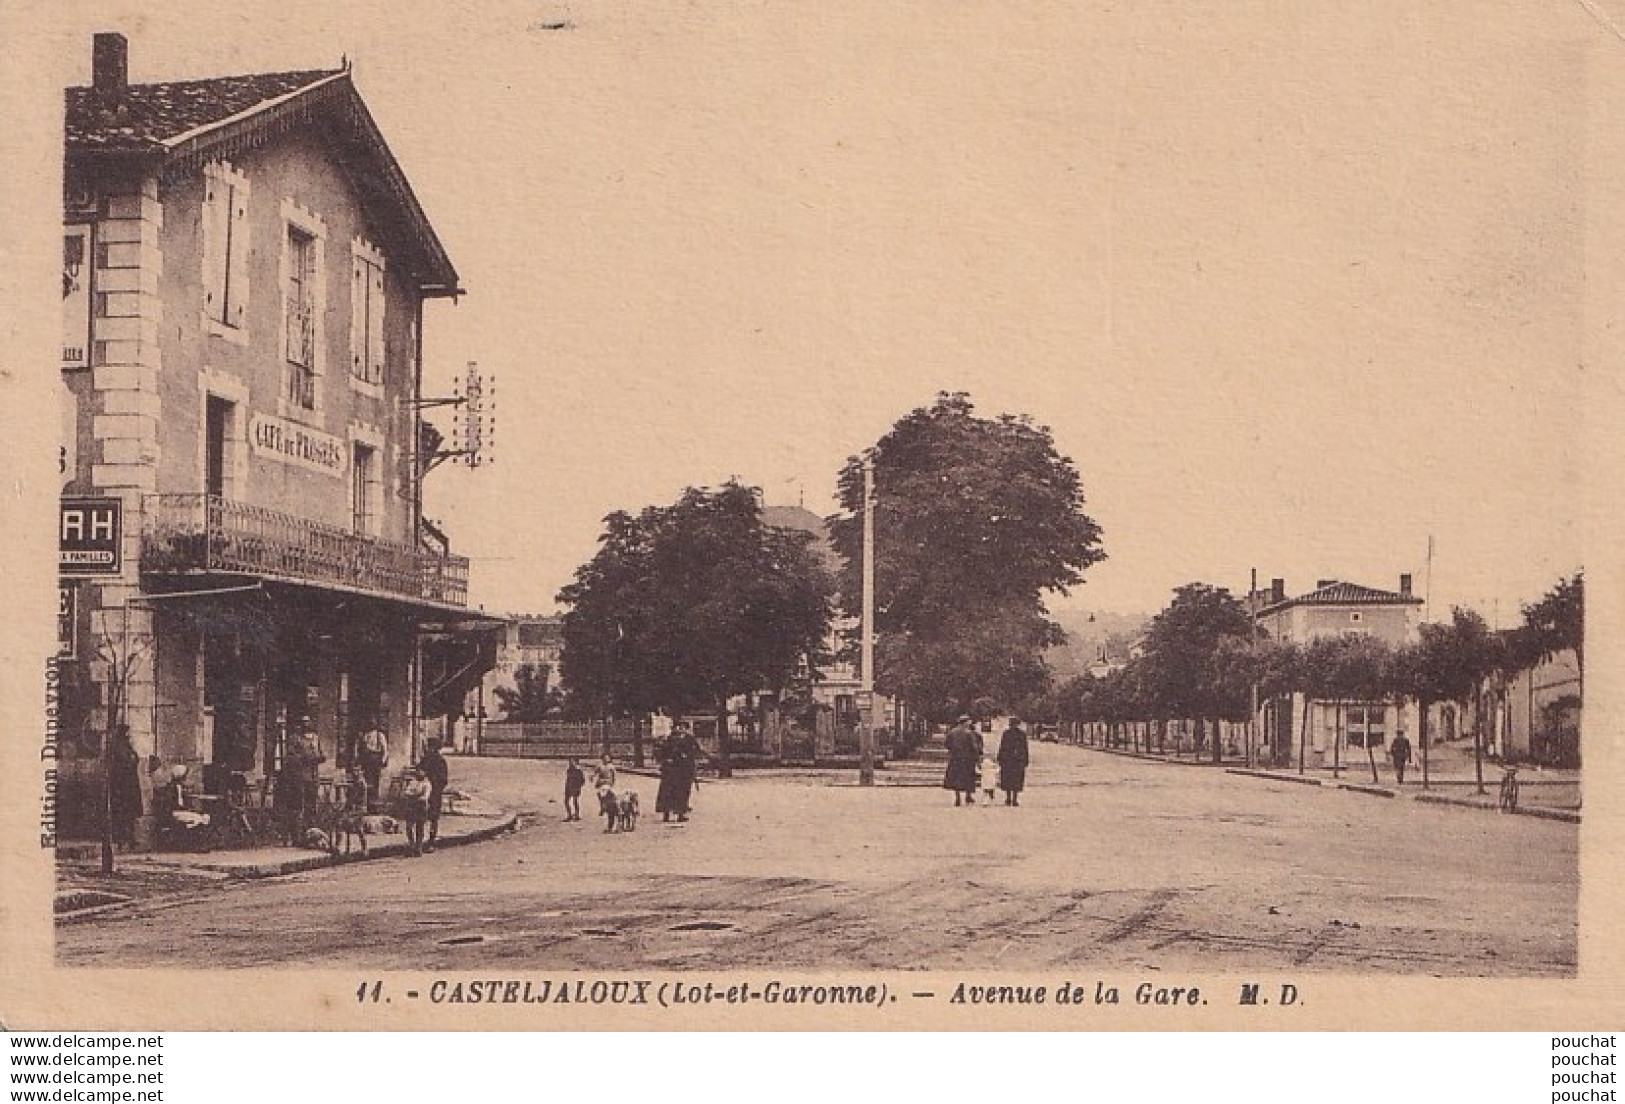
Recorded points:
1297,287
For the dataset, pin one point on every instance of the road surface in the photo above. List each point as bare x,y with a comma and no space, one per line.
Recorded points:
1111,862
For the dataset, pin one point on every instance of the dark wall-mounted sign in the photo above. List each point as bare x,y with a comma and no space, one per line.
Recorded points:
90,536
67,621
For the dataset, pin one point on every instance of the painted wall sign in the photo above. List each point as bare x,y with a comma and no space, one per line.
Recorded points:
291,443
76,297
89,536
67,620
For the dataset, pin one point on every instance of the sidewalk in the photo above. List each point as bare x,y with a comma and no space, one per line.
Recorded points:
83,891
1547,792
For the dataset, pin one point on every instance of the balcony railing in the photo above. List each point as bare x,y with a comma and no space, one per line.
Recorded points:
195,532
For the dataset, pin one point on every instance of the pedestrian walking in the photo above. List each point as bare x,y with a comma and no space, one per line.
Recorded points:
990,777
964,753
372,750
415,807
1013,762
574,781
679,761
434,768
1400,752
603,786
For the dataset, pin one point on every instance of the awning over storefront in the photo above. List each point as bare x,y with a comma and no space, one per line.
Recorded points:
457,652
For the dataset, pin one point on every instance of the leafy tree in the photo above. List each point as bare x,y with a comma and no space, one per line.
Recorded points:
531,699
1448,663
688,605
1183,675
975,520
1557,622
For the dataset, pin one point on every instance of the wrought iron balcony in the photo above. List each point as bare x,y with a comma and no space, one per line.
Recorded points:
199,533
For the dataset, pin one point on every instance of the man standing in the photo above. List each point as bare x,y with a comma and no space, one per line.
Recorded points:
1400,752
372,748
297,785
433,766
1013,762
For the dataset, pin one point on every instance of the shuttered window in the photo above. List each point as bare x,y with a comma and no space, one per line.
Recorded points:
367,318
225,247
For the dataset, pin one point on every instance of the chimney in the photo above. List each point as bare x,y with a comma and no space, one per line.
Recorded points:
110,64
1322,584
1405,585
1277,590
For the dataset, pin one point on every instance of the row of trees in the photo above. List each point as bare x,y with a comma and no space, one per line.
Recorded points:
1204,660
685,606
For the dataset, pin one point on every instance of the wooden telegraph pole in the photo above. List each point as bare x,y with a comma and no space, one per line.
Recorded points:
866,690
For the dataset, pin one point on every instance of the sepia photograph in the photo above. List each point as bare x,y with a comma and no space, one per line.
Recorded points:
755,510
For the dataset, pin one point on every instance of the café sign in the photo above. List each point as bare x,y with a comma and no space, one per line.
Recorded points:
89,535
291,443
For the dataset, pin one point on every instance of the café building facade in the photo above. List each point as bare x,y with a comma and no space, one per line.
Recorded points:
244,281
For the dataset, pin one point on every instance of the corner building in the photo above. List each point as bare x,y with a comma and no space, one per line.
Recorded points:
245,273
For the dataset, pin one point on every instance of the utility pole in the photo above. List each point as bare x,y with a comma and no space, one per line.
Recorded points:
866,736
1252,715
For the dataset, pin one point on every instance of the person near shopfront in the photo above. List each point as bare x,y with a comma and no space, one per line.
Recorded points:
434,768
415,798
123,786
297,786
372,751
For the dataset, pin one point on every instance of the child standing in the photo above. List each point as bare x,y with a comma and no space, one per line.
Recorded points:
990,777
415,804
574,780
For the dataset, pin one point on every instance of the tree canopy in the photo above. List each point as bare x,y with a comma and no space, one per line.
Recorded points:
687,605
531,698
1196,660
975,520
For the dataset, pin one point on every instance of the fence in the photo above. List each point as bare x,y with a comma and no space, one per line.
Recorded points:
558,740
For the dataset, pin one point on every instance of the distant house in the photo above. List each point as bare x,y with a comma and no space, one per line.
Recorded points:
529,640
1535,713
1334,608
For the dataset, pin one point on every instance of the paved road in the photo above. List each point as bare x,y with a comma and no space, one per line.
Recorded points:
1111,862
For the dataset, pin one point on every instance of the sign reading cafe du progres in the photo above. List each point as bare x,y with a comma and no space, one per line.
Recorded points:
292,443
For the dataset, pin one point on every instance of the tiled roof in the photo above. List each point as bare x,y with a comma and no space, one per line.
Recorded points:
1346,594
145,116
178,123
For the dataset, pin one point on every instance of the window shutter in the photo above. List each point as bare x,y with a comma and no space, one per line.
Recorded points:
216,202
375,327
238,260
358,318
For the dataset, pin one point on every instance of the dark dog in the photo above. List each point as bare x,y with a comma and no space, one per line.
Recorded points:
620,811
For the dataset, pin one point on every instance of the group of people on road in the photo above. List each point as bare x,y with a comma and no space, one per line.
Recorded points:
679,757
422,793
970,766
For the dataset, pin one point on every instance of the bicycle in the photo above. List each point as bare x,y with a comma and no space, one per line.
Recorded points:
1507,802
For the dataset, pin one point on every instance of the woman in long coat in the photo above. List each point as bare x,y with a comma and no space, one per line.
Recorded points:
1013,762
679,757
964,753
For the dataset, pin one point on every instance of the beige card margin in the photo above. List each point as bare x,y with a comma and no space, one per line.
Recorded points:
35,994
